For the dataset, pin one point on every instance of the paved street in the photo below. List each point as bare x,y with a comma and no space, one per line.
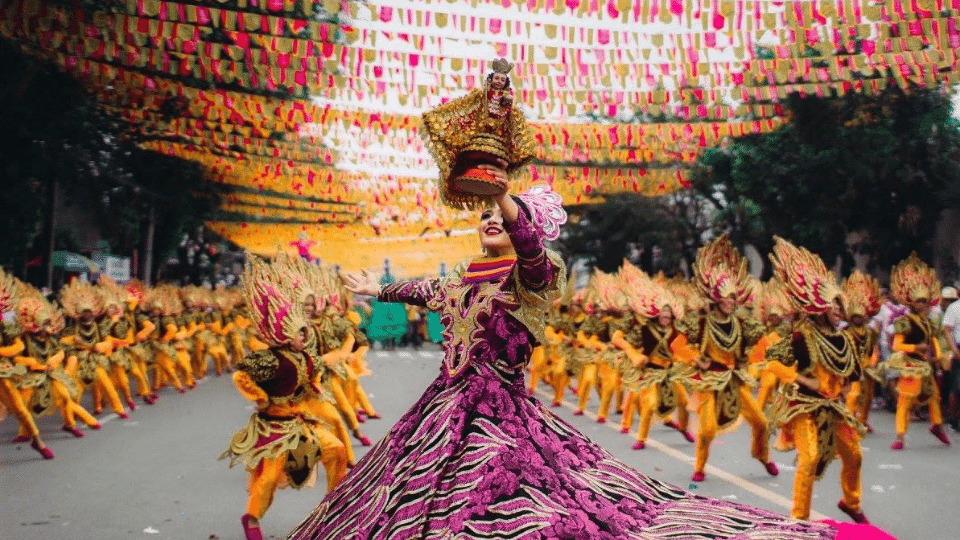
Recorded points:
156,475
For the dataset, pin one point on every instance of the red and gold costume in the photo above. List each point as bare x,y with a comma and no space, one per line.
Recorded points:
282,443
816,364
916,346
718,343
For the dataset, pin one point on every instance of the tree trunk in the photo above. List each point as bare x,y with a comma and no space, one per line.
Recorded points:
53,231
148,247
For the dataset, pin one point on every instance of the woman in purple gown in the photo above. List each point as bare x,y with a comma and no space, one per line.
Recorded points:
477,458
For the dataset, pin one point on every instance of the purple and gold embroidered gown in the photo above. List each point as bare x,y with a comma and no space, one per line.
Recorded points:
476,457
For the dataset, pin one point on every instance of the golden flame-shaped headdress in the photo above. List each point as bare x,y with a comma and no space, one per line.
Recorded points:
164,298
78,296
112,294
276,305
647,296
772,299
33,310
911,280
862,293
8,291
720,271
812,288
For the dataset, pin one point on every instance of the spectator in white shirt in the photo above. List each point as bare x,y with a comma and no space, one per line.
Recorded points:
951,334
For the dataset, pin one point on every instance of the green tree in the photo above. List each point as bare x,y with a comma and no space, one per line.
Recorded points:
54,133
622,225
887,165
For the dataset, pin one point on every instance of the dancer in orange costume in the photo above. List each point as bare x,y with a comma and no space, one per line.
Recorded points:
208,340
281,444
11,372
916,346
815,364
315,284
181,339
651,381
863,297
720,340
83,303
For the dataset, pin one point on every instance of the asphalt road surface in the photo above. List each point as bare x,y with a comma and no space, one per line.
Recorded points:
156,475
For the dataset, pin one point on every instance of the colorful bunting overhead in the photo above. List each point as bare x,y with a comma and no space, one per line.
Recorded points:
309,109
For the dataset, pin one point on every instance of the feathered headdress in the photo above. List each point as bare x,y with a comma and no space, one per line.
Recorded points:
645,296
111,293
610,295
686,293
772,299
78,296
862,294
811,287
911,280
164,298
720,271
135,291
276,306
8,292
33,311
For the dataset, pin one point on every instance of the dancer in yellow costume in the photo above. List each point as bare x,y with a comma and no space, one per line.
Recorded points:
48,385
337,309
116,328
282,443
215,329
916,346
83,303
326,399
720,340
11,372
559,334
159,303
610,358
141,355
652,384
815,364
590,340
863,296
773,307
